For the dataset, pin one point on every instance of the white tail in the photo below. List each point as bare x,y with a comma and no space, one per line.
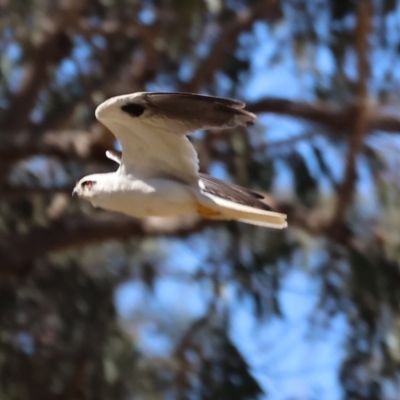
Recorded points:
234,211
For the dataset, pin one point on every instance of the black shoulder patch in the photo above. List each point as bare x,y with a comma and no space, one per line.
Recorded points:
134,110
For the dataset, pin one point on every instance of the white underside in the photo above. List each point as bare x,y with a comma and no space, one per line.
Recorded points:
166,198
154,197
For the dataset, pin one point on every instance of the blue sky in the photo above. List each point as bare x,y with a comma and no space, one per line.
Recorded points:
287,356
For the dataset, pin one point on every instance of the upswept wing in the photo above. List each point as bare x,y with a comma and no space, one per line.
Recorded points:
152,129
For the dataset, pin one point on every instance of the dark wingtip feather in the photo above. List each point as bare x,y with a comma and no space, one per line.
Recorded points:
245,118
235,193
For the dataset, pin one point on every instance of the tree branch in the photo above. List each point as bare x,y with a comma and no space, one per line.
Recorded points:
65,144
51,51
14,192
363,28
84,145
17,252
335,119
77,230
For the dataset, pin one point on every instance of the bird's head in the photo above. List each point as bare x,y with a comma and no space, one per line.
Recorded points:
88,187
121,108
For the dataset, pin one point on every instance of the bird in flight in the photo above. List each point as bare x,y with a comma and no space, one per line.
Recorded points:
158,172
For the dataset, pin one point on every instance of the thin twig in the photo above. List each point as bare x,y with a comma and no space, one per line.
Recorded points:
226,42
339,119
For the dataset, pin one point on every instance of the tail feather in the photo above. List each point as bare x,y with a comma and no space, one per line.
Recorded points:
230,210
277,223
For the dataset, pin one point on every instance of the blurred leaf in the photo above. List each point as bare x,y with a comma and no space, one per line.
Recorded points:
227,377
389,5
341,8
148,274
234,66
324,166
262,173
306,185
375,160
24,208
365,287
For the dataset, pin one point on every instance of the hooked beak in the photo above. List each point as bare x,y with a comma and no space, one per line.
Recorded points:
75,193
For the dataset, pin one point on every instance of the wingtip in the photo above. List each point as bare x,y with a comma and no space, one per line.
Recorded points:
244,118
114,156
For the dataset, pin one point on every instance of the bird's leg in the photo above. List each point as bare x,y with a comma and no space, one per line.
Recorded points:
206,212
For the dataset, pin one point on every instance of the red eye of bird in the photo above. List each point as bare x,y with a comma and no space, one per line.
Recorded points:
87,184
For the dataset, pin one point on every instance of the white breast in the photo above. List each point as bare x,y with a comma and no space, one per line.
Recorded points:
154,197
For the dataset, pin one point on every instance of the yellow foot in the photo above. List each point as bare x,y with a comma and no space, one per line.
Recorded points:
206,212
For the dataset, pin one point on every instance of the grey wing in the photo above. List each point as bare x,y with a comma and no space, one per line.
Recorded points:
187,112
151,128
234,193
